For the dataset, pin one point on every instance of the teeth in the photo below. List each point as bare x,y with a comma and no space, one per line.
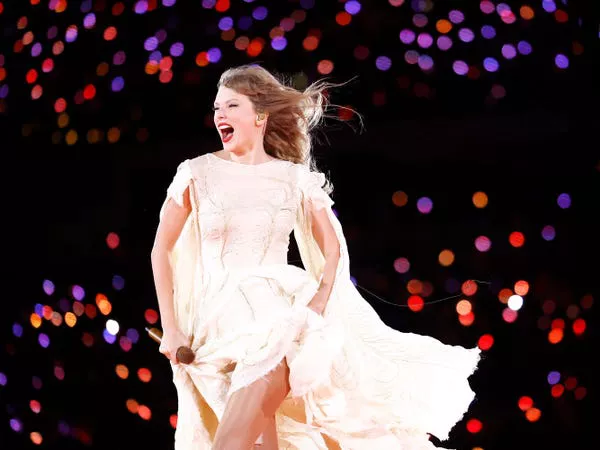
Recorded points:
222,127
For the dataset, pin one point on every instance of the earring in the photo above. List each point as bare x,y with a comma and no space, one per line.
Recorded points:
260,117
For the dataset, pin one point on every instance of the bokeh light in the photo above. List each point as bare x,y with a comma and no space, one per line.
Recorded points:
424,205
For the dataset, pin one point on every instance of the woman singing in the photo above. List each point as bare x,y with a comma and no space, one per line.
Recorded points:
285,357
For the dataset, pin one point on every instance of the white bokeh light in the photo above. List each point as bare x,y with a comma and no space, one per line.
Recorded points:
112,326
515,302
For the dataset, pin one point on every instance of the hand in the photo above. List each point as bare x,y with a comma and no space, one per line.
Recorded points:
317,305
172,339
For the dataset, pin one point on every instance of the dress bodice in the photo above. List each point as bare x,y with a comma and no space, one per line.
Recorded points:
246,212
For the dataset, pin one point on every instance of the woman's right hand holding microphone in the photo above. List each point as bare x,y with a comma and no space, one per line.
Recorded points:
172,341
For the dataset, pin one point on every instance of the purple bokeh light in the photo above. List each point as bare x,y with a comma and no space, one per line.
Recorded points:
89,21
488,32
155,56
151,43
177,49
483,243
214,55
407,36
561,61
16,425
44,340
78,292
460,67
17,330
491,64
425,62
509,51
456,16
424,205
444,43
226,23
117,84
383,63
466,34
36,49
524,48
424,40
401,265
549,5
352,7
140,7
111,339
48,287
118,282
260,13
71,33
548,233
279,43
564,201
133,335
553,377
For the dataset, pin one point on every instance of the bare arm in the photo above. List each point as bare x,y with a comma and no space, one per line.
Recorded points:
169,229
326,238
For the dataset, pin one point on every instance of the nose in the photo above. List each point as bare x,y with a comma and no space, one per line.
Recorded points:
219,114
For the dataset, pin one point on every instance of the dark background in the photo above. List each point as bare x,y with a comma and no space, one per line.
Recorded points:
523,150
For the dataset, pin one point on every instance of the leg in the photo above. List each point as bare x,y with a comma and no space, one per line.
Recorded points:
249,411
269,436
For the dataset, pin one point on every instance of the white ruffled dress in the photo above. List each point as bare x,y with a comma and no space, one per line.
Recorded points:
355,382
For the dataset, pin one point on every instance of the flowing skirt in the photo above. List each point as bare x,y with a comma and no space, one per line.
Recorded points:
358,386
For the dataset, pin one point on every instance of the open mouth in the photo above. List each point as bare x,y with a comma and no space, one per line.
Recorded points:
226,133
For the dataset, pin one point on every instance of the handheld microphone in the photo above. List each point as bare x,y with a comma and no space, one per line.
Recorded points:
184,355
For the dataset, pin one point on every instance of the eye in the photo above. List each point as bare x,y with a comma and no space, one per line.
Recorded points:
214,108
232,105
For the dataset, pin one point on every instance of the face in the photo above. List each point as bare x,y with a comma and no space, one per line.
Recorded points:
235,120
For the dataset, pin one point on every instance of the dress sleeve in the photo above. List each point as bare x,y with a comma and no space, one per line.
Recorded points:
313,195
180,182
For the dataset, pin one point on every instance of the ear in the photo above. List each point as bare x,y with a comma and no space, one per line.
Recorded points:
261,116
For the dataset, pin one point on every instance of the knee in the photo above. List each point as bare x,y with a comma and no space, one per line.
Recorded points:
279,388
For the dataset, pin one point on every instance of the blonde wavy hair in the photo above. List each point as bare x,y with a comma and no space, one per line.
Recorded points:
292,114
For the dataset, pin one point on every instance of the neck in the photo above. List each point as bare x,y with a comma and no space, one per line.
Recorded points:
253,155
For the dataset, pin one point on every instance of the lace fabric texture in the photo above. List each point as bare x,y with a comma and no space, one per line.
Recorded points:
355,382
